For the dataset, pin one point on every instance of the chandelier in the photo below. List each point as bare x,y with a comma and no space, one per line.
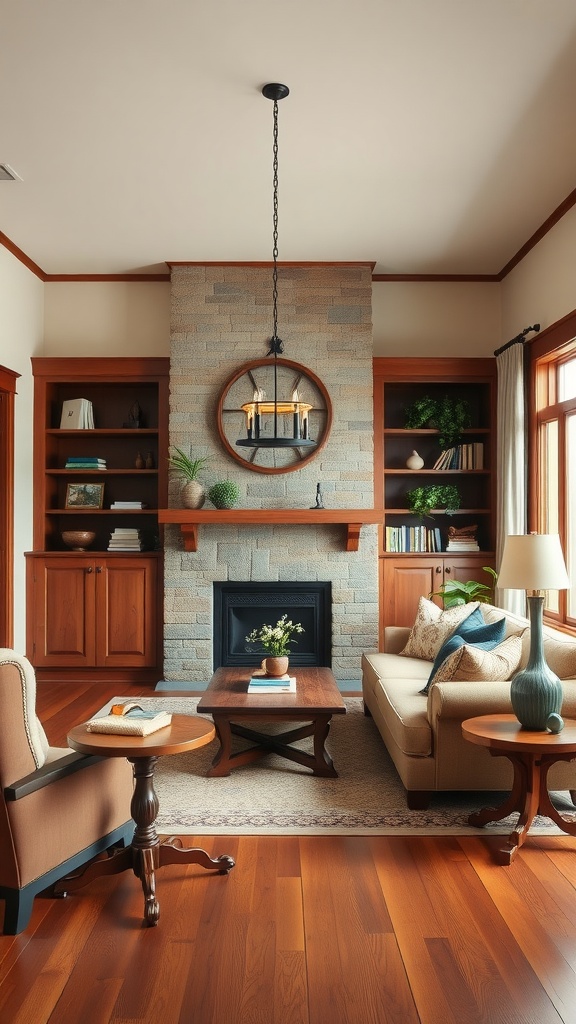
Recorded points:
270,422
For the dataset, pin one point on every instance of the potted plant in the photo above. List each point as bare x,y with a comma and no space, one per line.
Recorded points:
447,414
193,493
275,642
454,592
421,500
224,494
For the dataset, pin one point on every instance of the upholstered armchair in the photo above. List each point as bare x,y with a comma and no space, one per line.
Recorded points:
59,809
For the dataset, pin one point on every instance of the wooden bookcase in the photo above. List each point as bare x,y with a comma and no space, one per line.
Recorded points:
98,613
407,575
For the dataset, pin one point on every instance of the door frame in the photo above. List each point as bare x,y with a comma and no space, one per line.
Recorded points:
7,395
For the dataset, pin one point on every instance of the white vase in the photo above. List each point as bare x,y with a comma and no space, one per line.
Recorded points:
414,461
193,494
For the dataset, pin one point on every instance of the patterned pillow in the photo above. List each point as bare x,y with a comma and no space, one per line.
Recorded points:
471,664
484,637
432,627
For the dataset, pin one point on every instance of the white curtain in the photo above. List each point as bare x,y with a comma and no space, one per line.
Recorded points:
512,457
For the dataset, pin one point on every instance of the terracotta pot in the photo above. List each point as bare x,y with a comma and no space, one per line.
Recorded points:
193,494
276,666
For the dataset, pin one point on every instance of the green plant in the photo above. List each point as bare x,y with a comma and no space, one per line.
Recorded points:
447,414
421,500
224,494
275,640
187,467
454,592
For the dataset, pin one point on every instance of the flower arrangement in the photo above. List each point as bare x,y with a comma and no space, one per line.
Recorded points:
275,640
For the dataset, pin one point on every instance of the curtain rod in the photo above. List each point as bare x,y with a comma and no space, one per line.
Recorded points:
518,340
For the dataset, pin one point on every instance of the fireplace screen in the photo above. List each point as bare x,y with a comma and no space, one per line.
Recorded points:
241,607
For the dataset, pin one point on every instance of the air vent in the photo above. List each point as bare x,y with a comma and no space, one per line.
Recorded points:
8,173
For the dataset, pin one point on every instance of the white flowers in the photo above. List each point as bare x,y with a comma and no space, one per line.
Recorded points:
275,639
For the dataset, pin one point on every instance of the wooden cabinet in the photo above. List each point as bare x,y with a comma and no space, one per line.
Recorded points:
98,612
405,579
414,559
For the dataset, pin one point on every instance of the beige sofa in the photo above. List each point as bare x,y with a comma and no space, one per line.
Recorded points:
423,734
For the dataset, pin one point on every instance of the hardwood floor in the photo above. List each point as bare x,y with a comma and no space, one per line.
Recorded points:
305,930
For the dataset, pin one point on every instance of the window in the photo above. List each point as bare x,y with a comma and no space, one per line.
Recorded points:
554,483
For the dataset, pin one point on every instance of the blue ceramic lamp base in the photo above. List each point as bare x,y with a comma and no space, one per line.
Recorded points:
536,692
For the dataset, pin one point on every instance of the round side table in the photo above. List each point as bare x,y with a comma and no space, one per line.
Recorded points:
146,853
532,754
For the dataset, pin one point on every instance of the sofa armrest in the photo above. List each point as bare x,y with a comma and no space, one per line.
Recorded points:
395,638
463,700
49,773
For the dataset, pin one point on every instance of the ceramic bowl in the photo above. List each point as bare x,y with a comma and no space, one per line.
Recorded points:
78,540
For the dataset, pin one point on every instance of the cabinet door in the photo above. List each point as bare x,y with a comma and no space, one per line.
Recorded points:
468,567
405,581
126,627
61,627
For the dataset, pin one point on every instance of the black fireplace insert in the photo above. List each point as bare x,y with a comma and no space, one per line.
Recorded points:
241,607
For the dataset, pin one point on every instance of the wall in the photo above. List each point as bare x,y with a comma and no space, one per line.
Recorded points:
436,318
103,318
221,318
542,289
21,317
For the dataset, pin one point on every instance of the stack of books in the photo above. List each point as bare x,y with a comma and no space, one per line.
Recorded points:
77,414
128,504
125,539
412,538
466,544
84,462
269,684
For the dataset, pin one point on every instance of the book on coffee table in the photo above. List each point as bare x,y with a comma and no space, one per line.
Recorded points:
263,684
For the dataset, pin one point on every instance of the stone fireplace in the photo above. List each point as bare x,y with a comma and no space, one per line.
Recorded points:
221,318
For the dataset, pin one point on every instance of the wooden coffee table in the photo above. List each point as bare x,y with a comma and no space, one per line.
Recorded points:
532,754
317,698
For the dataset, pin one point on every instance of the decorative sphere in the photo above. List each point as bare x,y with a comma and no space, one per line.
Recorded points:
555,722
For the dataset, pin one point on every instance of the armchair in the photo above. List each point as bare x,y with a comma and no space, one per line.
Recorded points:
58,808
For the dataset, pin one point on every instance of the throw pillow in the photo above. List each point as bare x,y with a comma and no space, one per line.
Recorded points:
485,637
431,628
472,664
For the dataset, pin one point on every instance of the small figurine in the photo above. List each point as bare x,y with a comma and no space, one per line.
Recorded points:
139,462
149,460
135,419
319,499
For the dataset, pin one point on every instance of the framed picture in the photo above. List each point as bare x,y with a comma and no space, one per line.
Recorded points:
84,496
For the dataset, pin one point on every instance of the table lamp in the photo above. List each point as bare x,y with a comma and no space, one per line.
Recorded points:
534,562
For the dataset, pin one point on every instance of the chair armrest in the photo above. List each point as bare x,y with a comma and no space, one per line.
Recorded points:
49,773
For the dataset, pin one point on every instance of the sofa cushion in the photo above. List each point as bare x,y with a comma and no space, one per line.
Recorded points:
472,664
395,681
485,637
431,628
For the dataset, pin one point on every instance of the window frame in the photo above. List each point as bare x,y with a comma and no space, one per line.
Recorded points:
544,355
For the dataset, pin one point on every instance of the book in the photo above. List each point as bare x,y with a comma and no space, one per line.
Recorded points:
76,414
86,458
131,721
261,684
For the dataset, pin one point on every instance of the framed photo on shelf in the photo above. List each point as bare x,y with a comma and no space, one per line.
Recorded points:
84,495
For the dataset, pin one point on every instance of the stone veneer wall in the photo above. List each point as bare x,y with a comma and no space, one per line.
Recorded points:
221,318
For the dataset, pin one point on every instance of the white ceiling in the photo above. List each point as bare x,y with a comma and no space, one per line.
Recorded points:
428,136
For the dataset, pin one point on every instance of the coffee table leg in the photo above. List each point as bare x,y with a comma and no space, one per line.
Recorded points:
324,764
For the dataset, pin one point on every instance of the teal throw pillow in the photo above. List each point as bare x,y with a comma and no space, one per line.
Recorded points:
485,636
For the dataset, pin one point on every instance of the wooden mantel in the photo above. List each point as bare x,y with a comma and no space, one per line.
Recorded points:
190,519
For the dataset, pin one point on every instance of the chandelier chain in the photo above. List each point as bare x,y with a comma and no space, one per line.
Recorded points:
275,226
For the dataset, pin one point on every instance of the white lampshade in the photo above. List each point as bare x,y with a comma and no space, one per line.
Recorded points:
533,561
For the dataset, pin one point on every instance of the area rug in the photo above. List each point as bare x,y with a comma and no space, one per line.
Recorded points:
278,797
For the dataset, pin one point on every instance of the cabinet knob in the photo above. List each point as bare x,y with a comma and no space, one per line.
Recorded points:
438,568
98,568
447,570
89,569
